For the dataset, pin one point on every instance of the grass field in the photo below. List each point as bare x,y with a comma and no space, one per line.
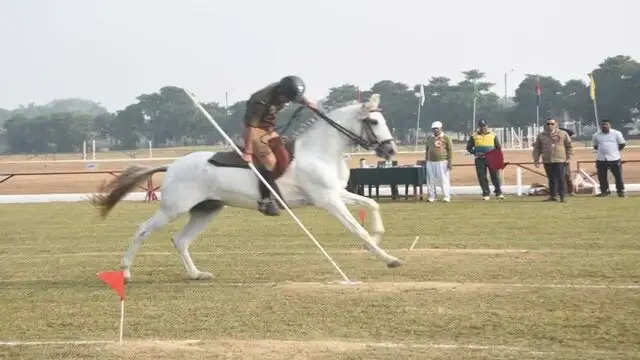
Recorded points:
486,280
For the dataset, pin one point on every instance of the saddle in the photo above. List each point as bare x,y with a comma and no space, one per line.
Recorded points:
282,149
228,159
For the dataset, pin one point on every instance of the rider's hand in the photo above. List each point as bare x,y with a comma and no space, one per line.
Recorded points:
310,105
248,157
536,164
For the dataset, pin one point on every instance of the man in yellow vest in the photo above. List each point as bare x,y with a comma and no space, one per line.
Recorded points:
479,145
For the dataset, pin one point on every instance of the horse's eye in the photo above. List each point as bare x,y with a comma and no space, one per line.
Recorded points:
372,121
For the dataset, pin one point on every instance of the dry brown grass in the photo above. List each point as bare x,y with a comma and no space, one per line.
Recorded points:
88,183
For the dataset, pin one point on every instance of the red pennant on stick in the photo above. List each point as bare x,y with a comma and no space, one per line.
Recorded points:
362,215
495,159
115,279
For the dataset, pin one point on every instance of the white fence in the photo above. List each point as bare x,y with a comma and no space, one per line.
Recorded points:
517,138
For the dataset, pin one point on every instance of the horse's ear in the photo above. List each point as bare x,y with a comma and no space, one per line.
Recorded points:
374,102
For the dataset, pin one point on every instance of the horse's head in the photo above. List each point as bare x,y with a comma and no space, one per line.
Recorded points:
374,129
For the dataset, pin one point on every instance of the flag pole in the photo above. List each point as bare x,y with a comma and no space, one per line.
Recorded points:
592,94
418,124
420,104
121,319
475,98
538,102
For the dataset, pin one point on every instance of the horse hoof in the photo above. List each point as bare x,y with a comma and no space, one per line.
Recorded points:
202,275
395,264
127,276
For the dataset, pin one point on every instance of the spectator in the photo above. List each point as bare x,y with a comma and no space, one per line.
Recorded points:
479,145
609,142
438,156
555,147
570,186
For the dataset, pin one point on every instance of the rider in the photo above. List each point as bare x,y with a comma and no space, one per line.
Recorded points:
260,137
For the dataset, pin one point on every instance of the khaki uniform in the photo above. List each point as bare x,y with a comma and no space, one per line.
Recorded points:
262,109
554,146
556,150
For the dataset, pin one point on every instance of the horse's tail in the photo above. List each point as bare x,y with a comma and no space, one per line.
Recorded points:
112,192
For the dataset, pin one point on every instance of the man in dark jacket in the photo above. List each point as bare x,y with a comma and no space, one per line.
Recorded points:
480,144
260,136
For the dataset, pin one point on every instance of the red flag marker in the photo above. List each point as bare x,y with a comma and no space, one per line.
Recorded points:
115,279
362,215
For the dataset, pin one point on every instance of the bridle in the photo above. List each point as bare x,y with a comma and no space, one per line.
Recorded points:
370,142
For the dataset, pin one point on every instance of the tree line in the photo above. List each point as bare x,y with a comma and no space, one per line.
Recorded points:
168,118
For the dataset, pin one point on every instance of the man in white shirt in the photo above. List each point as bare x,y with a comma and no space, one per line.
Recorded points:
608,142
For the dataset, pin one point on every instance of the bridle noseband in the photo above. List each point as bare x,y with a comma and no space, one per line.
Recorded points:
355,138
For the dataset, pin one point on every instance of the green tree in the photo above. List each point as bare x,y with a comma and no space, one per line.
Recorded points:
576,101
70,105
524,113
60,132
453,104
127,126
102,125
204,131
341,95
618,88
4,116
399,105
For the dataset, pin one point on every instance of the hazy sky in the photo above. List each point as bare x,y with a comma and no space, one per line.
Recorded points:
111,51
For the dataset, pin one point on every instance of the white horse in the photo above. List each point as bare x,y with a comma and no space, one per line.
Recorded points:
317,176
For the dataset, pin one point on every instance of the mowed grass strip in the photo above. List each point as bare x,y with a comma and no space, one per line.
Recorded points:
271,283
585,223
291,349
535,268
542,319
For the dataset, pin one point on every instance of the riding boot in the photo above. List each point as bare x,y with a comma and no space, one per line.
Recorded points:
268,205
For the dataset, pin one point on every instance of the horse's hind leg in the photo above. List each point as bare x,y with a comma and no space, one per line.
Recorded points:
201,215
158,220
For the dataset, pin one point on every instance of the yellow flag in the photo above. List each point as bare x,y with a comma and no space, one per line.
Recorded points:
592,87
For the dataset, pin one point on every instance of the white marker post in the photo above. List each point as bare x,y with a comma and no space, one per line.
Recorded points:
93,148
414,242
121,319
273,192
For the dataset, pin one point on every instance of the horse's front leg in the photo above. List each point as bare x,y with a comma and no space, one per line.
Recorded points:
337,208
377,228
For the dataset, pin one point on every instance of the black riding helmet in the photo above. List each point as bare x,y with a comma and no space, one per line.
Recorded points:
291,87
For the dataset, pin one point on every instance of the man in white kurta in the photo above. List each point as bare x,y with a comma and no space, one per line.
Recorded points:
438,156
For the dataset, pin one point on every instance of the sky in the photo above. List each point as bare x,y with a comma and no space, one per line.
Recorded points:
111,51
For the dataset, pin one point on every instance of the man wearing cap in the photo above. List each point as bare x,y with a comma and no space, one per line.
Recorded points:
608,142
554,145
438,156
480,144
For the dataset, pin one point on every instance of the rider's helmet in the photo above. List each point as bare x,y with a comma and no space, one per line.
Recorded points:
291,87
